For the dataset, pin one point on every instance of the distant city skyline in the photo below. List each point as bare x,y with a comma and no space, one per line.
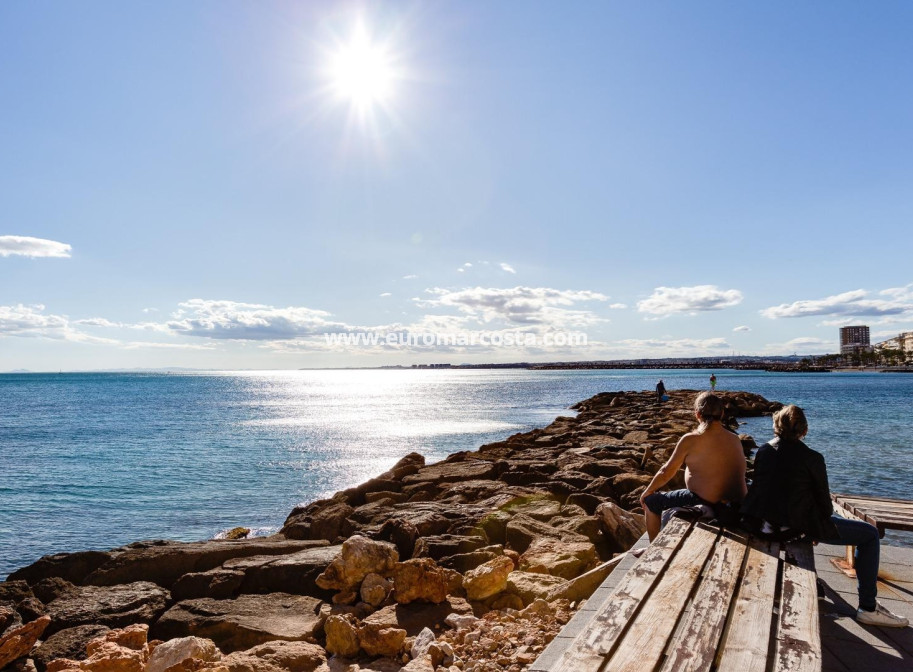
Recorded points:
222,185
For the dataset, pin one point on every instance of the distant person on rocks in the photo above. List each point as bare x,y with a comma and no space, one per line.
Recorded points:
712,381
714,466
789,495
660,391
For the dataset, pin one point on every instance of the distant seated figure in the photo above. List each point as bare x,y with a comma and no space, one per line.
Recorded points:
714,466
660,390
789,494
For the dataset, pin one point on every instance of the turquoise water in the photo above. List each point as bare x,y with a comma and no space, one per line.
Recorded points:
99,460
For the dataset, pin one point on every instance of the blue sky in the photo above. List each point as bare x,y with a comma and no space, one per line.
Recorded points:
670,179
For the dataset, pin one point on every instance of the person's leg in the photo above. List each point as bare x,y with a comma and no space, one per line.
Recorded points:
652,521
868,550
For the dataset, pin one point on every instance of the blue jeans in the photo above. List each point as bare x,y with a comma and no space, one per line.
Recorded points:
868,549
660,501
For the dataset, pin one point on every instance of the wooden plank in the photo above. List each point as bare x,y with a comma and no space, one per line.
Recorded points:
696,645
642,646
587,652
884,507
798,645
879,504
747,640
844,512
837,495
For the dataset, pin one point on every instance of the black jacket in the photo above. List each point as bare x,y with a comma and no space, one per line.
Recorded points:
789,489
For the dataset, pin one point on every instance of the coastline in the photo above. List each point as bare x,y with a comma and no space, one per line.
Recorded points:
520,529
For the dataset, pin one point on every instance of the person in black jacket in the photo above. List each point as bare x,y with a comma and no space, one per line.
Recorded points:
789,494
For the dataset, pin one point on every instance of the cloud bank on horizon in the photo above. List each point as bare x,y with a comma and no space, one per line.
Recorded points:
297,330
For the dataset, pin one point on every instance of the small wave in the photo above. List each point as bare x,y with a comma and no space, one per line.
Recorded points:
254,532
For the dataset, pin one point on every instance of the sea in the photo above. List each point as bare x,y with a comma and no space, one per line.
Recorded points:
98,460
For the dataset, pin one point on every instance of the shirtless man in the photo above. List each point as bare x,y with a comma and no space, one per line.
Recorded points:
714,466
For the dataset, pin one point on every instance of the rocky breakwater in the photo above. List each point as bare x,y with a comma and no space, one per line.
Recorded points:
470,564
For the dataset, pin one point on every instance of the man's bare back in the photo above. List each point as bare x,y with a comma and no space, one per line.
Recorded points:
714,464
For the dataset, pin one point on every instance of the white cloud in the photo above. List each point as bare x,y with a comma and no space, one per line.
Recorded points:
384,294
249,321
517,305
742,328
139,345
98,322
507,267
150,310
618,306
854,303
21,320
25,246
32,322
669,300
410,277
468,264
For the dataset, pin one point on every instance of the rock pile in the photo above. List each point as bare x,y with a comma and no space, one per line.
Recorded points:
471,564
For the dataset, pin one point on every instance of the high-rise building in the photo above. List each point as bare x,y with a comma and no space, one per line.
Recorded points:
854,339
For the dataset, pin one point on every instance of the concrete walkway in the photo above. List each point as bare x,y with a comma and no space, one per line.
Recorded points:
847,645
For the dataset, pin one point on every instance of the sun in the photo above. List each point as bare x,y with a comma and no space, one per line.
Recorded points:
361,71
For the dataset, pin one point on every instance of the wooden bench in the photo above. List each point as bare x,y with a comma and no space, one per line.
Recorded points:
704,599
883,513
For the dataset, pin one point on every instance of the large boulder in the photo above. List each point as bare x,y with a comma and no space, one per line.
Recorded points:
279,656
380,640
9,617
243,622
488,579
563,558
419,579
447,472
182,654
415,616
439,546
295,573
375,589
164,562
326,519
69,643
113,606
17,642
621,528
72,567
358,557
342,635
124,650
522,530
530,587
628,483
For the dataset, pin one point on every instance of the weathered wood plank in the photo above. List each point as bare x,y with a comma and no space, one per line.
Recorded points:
642,646
878,511
587,652
870,498
747,640
798,646
696,645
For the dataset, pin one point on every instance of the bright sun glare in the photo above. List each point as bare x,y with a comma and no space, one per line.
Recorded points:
361,71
